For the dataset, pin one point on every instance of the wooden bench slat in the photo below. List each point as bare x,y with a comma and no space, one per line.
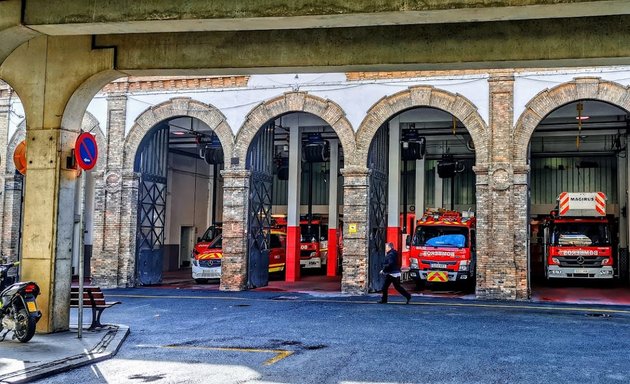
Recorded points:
93,298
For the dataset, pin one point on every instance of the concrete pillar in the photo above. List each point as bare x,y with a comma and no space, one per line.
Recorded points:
419,203
393,185
356,192
333,208
293,203
107,244
502,205
439,189
47,71
234,264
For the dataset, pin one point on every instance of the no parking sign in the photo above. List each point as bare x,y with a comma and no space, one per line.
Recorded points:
86,151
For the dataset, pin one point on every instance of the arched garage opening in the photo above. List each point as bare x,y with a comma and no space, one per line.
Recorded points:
294,215
422,199
179,201
578,202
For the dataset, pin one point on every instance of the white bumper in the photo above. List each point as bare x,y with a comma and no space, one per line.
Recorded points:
206,273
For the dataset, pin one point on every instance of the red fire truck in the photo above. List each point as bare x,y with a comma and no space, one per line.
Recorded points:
577,238
313,243
442,248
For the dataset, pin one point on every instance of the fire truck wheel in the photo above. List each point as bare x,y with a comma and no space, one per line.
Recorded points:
419,284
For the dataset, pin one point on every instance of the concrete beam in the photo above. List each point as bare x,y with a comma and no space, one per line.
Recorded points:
530,43
77,17
12,33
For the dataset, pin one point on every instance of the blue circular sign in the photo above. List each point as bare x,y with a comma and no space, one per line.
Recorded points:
86,151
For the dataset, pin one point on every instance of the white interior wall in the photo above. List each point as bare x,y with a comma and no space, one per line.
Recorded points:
188,194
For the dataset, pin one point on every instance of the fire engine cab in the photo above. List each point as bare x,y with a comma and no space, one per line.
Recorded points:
577,238
442,249
313,243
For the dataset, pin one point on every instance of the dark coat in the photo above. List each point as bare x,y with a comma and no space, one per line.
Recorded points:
391,262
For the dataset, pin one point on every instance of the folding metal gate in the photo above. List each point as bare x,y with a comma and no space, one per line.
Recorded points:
378,163
260,163
152,163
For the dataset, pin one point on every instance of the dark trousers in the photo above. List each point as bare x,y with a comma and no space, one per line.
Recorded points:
396,280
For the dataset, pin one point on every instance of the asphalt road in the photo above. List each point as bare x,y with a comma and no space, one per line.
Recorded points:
185,336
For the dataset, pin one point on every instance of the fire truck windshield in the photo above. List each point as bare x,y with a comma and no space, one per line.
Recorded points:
580,234
217,242
312,233
441,236
211,233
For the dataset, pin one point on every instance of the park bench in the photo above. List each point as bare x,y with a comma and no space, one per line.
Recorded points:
92,297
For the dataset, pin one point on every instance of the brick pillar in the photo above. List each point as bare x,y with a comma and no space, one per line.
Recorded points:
355,244
11,219
235,229
502,260
5,110
108,247
126,253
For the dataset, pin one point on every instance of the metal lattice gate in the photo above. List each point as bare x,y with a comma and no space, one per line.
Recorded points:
378,162
152,163
260,163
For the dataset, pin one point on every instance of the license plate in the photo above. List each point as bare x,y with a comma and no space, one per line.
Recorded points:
440,266
31,306
213,273
581,271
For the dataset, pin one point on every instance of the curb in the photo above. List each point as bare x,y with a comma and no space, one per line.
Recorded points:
106,348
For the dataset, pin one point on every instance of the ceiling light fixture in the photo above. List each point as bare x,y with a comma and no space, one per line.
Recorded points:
179,133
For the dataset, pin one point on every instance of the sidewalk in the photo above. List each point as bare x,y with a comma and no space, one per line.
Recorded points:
47,354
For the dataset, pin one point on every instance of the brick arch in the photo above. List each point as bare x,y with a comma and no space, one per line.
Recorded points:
417,97
327,110
89,124
177,107
548,100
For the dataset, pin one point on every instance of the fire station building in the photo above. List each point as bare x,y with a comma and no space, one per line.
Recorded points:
358,155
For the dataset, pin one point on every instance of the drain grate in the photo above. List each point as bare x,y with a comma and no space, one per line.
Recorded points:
597,315
285,298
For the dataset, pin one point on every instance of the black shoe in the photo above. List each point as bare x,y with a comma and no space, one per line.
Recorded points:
408,300
381,302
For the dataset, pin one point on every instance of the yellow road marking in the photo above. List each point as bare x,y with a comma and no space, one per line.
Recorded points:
437,304
280,353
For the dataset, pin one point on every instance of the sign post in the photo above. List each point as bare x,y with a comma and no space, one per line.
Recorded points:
86,155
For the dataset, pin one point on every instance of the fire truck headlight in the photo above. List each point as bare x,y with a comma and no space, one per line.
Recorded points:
463,265
555,260
313,254
195,262
605,261
413,263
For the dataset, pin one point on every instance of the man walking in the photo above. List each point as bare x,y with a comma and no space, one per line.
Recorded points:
392,271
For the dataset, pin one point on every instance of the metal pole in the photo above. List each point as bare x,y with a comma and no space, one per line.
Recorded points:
81,261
